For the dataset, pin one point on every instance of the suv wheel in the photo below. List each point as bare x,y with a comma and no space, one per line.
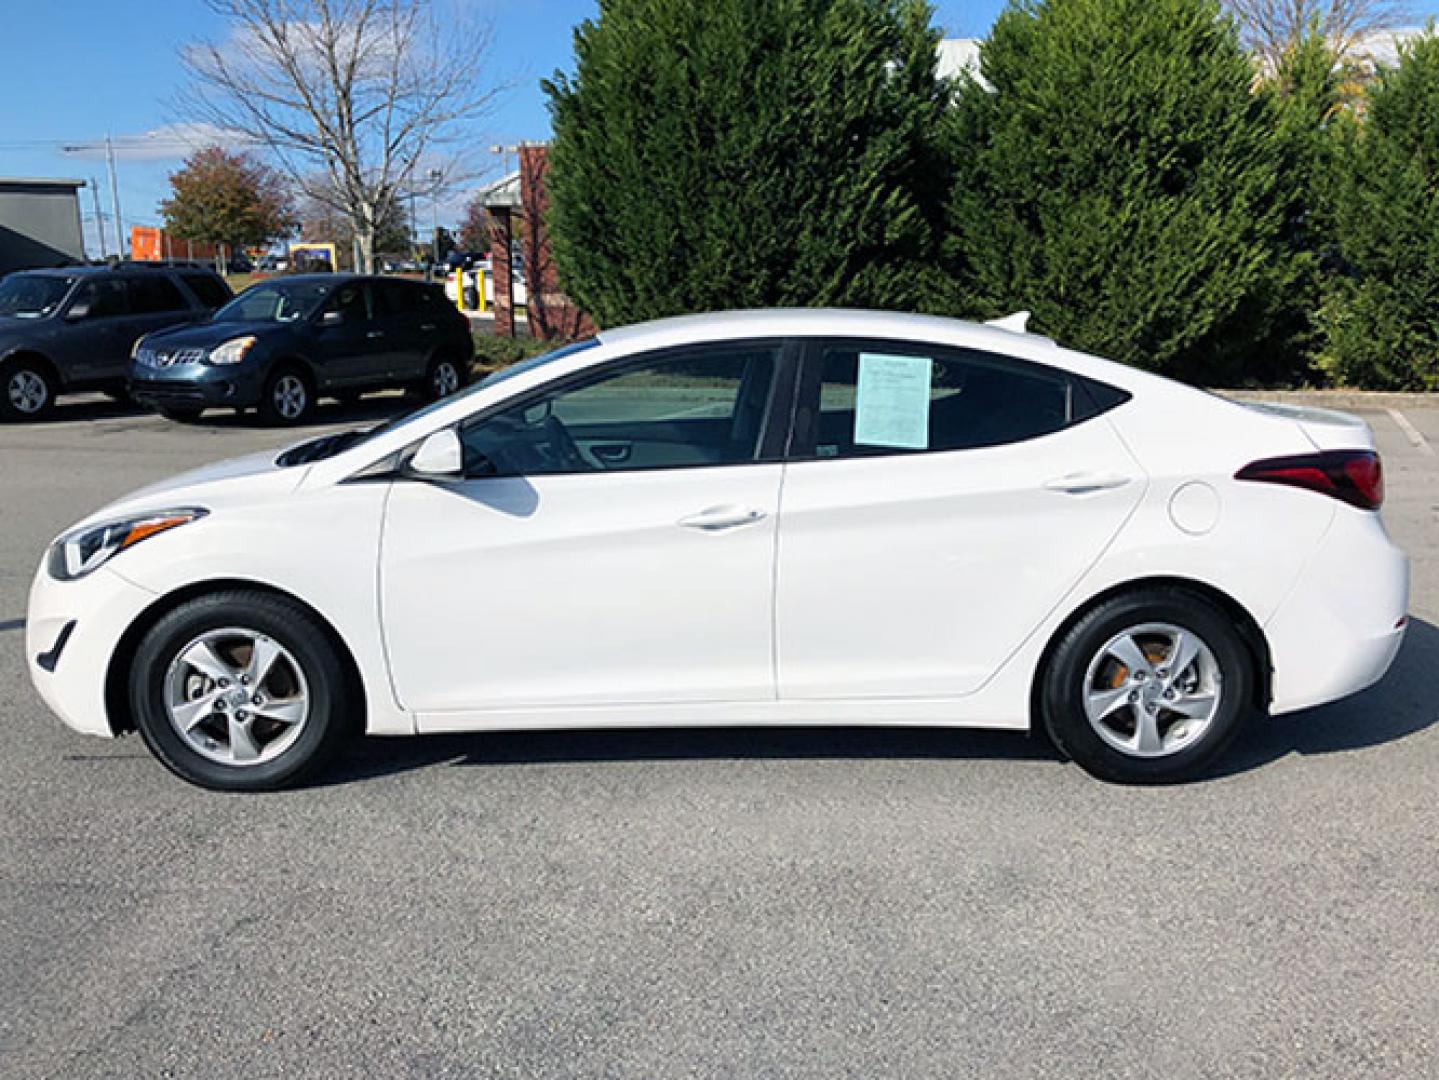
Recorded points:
287,397
27,390
443,378
1149,687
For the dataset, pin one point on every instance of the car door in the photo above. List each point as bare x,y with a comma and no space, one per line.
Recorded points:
350,338
939,504
407,347
97,337
552,576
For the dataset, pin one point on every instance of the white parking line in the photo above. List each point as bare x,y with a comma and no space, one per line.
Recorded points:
1411,432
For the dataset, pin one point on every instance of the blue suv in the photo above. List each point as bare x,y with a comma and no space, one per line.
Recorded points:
282,343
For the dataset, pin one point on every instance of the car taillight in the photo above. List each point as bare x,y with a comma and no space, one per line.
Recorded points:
1352,476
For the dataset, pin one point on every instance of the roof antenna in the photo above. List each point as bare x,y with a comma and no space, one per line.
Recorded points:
1018,323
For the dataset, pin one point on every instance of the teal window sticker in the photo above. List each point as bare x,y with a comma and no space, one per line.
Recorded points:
891,406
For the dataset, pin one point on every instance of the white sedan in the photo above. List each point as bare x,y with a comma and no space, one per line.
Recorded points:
785,517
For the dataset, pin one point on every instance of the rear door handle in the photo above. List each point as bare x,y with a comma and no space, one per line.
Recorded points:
375,334
716,518
1082,483
428,326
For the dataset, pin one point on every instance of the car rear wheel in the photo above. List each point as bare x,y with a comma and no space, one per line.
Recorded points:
28,390
240,691
443,379
287,397
1149,687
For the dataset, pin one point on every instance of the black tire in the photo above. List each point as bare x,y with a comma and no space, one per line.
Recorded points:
27,389
180,414
445,376
331,717
280,386
1066,682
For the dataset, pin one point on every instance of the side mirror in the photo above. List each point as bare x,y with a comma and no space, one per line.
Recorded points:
80,309
439,457
332,318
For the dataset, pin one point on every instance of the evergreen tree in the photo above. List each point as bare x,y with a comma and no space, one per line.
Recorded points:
1381,320
715,154
1119,177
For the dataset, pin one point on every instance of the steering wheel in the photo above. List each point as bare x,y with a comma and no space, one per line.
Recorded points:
562,443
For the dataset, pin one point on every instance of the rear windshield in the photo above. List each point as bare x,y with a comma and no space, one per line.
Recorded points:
33,296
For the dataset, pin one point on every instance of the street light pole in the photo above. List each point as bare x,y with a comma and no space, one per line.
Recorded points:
435,177
115,197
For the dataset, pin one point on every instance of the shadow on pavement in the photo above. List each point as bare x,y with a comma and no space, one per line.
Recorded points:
1400,706
326,413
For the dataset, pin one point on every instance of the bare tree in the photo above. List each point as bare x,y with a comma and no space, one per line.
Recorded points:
352,96
1272,27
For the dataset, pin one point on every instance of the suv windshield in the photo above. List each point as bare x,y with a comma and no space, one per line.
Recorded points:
32,296
275,301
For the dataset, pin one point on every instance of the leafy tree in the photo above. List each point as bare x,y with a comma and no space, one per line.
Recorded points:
1121,180
717,154
1381,320
224,198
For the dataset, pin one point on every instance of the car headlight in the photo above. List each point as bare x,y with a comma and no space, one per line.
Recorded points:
90,547
232,351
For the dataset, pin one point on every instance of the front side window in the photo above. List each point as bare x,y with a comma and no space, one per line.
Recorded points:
887,398
351,302
103,298
686,409
276,301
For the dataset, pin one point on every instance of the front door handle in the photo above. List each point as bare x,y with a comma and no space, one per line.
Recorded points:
375,334
716,518
1083,483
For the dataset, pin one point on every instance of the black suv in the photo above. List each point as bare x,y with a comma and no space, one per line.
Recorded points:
73,328
283,342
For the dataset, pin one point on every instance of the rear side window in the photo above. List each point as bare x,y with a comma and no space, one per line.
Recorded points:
211,292
105,297
398,297
152,294
888,398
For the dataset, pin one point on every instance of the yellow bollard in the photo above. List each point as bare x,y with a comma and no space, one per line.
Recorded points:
480,288
460,289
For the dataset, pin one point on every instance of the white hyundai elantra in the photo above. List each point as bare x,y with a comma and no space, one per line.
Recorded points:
786,517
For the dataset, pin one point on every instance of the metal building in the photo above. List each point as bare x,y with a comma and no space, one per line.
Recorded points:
39,223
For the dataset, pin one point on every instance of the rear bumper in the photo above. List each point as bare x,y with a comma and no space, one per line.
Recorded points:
1340,628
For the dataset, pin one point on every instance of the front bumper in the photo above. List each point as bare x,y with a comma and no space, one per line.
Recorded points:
71,631
1340,628
195,386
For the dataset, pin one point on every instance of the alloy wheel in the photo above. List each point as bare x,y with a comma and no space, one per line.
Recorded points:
27,392
290,396
237,696
1153,690
446,379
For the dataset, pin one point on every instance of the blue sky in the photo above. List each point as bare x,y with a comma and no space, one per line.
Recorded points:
79,69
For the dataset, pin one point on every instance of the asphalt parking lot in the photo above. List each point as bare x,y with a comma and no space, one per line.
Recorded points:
712,904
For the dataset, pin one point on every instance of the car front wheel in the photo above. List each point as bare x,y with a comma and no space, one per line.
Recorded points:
287,397
240,691
28,390
1149,687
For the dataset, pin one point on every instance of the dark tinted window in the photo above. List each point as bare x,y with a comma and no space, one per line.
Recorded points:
351,301
105,297
700,407
398,297
884,398
210,291
154,293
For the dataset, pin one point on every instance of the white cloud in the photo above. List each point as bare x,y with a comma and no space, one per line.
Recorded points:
166,143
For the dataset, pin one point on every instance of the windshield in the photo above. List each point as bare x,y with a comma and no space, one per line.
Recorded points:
275,301
33,296
327,446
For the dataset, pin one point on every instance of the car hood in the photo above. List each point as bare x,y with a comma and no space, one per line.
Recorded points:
238,481
205,334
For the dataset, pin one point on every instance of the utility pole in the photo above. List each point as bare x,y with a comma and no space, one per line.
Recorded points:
115,197
99,217
435,177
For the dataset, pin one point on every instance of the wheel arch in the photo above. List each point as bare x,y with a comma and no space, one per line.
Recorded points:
1249,631
117,696
27,352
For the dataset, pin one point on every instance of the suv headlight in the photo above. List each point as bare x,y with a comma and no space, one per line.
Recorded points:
232,351
90,547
